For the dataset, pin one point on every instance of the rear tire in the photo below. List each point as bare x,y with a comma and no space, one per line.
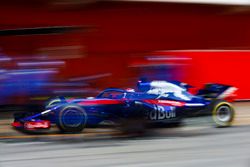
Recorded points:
222,113
71,119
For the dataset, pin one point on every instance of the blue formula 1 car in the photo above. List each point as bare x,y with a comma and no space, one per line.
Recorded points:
154,103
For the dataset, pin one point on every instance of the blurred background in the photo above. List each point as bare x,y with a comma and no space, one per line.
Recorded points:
78,47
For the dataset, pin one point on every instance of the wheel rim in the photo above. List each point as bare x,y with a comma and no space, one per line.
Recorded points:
224,113
72,118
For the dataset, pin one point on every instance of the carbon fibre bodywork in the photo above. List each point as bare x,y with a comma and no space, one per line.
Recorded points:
154,102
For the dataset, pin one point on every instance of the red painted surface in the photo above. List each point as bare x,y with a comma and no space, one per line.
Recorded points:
41,124
16,124
120,31
166,102
225,67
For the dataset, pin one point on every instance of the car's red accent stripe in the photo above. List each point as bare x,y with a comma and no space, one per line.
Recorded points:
16,124
165,102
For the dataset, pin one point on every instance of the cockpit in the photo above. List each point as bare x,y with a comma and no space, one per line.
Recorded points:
112,94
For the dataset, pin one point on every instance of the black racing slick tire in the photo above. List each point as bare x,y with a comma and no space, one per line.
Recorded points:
222,113
71,118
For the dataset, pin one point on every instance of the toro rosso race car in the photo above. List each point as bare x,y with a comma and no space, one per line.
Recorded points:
156,102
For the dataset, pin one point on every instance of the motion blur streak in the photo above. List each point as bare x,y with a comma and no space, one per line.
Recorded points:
5,59
93,77
33,71
56,56
47,63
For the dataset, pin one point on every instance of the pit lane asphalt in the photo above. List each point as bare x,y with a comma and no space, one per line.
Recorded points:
193,145
197,147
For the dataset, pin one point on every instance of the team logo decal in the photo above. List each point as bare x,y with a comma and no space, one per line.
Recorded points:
161,113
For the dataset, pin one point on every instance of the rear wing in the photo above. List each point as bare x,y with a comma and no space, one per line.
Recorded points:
218,91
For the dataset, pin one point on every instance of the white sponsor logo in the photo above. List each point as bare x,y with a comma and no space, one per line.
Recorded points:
159,113
32,125
227,92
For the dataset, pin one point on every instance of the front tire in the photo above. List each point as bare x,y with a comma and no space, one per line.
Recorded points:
71,119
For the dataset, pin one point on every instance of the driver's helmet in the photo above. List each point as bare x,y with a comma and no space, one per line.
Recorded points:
130,90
